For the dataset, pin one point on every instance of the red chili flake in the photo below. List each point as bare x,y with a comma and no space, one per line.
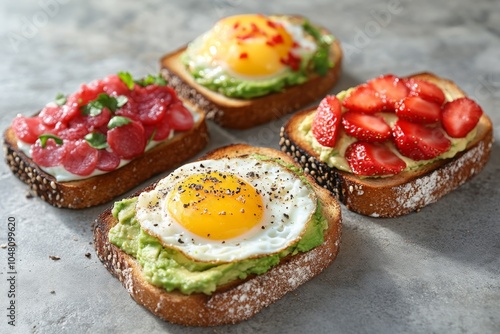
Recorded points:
292,61
295,44
278,39
243,55
236,25
271,24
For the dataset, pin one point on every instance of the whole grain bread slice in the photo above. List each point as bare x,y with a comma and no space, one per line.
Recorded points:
240,299
405,192
103,188
247,113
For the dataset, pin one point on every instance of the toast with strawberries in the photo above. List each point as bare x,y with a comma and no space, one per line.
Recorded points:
392,145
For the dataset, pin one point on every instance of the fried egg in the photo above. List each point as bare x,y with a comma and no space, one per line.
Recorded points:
251,46
228,209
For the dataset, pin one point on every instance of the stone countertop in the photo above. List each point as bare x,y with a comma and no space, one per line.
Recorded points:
434,271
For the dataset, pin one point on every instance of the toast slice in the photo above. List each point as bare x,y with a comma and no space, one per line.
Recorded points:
241,299
247,113
103,188
404,192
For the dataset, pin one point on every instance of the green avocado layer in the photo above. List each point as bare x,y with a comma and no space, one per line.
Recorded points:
171,270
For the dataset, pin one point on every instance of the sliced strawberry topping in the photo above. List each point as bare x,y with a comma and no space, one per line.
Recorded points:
80,158
326,122
366,127
460,116
426,90
107,161
49,156
370,159
127,141
27,129
417,110
418,141
364,99
179,117
390,88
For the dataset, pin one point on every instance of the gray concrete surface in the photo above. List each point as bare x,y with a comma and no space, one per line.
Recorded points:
435,271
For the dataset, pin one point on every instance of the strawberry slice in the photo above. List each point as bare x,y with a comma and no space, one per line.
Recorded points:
390,88
365,126
426,90
364,99
460,116
417,110
370,159
419,142
326,122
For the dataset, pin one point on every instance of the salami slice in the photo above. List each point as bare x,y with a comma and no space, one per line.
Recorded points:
127,141
107,161
179,117
49,156
80,158
28,129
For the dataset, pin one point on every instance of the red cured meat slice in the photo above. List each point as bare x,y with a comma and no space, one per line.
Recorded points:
107,161
127,141
80,158
179,117
49,156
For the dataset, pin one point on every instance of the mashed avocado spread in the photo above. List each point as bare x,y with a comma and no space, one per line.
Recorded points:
171,270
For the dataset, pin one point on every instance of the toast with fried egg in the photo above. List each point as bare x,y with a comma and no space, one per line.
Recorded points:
241,297
410,189
62,188
243,113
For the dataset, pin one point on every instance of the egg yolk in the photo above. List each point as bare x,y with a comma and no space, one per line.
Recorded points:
251,45
215,205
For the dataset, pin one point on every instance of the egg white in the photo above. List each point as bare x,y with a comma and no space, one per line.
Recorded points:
289,204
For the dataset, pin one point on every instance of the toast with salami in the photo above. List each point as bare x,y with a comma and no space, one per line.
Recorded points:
106,138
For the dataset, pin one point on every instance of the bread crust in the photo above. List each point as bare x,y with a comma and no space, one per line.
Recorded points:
246,113
405,192
103,188
242,299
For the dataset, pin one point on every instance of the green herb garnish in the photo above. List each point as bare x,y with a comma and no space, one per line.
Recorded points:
321,60
127,79
96,140
60,99
94,107
117,121
152,80
46,136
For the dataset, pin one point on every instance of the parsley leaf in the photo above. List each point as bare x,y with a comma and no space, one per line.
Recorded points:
94,107
96,140
117,121
46,136
152,80
60,99
321,60
127,79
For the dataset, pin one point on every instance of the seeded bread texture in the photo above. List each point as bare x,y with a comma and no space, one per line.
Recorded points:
247,113
400,194
103,188
239,300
